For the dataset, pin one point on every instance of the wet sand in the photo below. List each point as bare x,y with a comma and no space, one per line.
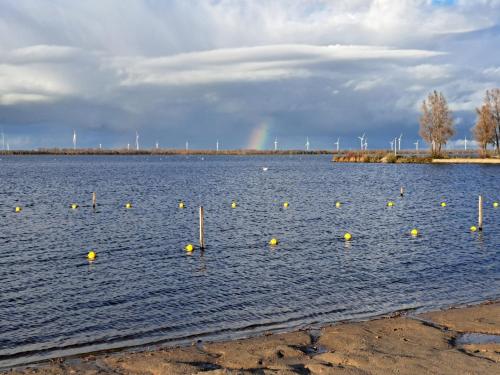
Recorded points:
429,343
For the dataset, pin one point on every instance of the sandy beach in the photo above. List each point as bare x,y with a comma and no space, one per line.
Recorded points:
466,161
442,342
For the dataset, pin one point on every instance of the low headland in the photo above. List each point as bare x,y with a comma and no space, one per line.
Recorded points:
412,157
463,340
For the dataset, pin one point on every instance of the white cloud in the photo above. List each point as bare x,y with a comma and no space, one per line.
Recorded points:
365,85
22,83
43,54
430,71
274,62
16,98
492,72
460,143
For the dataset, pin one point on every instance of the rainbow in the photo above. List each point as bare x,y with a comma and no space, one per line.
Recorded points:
258,137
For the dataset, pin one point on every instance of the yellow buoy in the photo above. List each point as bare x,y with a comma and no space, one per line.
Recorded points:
273,241
128,205
495,204
473,228
285,205
18,209
390,204
233,204
181,204
189,247
347,236
443,204
74,206
338,204
91,255
414,232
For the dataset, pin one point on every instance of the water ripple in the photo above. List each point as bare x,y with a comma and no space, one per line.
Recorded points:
144,288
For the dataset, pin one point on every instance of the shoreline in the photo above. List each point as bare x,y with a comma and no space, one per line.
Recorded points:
433,342
337,157
466,161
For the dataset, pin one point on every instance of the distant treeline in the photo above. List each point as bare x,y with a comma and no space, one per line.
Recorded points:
97,151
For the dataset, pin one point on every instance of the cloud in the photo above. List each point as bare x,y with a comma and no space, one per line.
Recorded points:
43,54
259,63
21,83
430,71
15,98
365,84
205,69
493,72
460,143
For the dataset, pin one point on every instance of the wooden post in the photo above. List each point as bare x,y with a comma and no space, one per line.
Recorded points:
401,191
480,214
94,200
202,229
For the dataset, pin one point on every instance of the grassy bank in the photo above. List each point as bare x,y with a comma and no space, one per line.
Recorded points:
380,157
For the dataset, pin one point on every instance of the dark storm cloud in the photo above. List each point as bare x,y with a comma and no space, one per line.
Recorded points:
203,70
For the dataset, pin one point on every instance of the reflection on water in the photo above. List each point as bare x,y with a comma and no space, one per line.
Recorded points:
143,287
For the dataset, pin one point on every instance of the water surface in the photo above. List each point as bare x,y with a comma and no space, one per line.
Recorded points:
144,288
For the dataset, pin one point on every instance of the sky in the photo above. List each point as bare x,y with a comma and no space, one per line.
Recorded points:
243,72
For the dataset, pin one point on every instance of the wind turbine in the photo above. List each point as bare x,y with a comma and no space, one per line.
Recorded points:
361,140
128,146
337,143
157,145
276,144
100,146
399,141
217,146
307,144
74,139
187,146
465,143
396,146
136,140
392,145
366,144
416,145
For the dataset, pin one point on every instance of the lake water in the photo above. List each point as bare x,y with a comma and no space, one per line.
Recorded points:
144,288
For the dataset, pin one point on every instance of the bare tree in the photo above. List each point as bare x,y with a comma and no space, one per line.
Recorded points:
484,130
492,100
436,122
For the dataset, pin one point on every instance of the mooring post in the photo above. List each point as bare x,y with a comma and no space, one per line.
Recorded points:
94,200
480,214
202,229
